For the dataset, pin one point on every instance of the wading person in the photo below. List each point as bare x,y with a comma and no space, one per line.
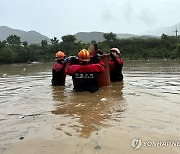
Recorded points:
84,74
58,70
115,65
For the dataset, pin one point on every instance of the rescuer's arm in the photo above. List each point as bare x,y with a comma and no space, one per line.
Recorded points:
116,61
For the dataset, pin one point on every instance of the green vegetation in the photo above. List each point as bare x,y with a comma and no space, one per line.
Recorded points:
12,50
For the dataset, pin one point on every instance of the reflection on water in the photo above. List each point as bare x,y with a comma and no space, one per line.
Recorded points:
91,111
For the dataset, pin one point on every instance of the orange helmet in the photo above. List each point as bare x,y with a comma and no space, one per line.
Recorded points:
116,50
84,55
60,55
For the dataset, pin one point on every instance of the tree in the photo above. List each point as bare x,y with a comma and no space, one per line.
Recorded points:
7,55
13,50
178,50
54,47
14,40
164,37
54,41
44,43
69,39
2,44
93,42
25,44
68,44
110,37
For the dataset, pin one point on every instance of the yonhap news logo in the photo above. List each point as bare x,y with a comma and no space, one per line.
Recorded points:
137,143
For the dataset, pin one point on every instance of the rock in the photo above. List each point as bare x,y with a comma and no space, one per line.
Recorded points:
21,117
97,147
103,99
21,138
78,105
4,74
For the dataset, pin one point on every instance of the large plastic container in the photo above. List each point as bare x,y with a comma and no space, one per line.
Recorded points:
104,78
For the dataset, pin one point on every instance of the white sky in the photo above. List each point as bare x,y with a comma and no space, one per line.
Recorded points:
60,17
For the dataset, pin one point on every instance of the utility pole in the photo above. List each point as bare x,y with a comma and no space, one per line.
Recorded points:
176,31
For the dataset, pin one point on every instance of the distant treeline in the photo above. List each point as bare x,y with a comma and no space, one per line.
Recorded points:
12,50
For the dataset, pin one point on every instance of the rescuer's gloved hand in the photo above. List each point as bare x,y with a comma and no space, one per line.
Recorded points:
100,52
73,60
112,56
66,59
96,58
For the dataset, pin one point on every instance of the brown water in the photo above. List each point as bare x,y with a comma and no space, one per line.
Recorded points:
58,120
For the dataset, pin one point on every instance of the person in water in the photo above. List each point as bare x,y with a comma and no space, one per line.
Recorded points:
94,53
84,74
58,70
115,65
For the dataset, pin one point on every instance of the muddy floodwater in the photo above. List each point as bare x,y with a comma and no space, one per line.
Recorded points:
37,118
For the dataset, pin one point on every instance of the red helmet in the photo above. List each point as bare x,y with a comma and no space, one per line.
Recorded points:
84,55
116,50
60,55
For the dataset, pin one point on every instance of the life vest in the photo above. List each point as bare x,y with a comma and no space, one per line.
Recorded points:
58,74
85,76
112,63
57,67
116,66
88,68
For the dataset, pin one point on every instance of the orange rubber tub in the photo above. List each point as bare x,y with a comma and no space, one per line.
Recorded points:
104,78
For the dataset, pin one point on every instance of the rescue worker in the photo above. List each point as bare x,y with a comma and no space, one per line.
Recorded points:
83,73
115,65
94,53
58,70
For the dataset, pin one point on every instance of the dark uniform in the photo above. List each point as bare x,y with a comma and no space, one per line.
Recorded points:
58,74
116,65
85,76
95,56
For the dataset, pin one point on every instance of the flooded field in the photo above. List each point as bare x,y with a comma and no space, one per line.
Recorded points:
38,118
